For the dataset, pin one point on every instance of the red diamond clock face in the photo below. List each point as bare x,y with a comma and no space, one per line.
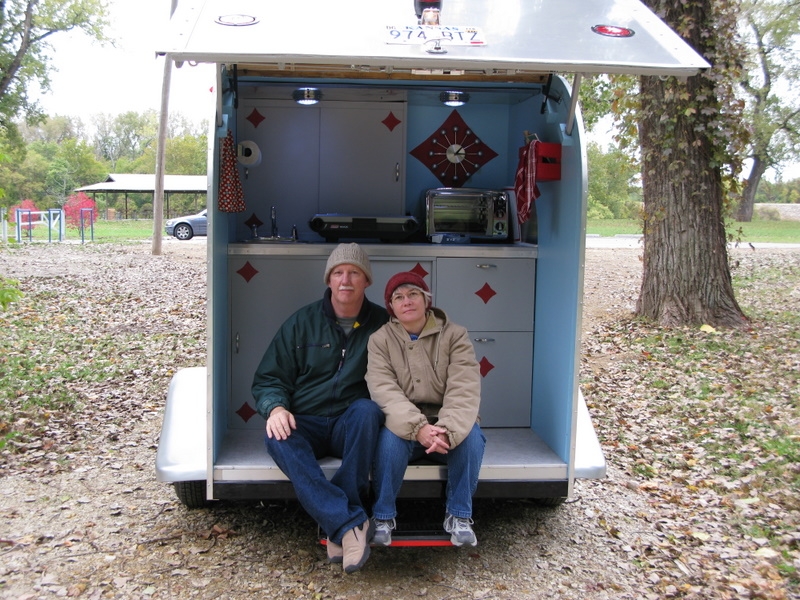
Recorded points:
453,152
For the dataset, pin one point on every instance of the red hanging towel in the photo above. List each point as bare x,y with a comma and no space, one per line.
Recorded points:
525,181
231,196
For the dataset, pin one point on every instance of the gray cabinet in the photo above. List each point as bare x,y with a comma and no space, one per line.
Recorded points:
362,158
284,284
335,157
493,298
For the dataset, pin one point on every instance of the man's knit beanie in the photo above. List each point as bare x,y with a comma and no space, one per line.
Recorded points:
348,254
403,278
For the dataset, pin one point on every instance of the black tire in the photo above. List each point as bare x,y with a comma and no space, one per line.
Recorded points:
191,493
183,231
557,501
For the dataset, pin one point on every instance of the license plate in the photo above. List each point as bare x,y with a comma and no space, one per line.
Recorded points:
423,34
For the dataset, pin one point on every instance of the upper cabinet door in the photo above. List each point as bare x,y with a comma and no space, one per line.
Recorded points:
362,158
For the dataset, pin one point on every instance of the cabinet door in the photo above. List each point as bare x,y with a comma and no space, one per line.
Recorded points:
505,359
288,176
362,158
264,292
487,294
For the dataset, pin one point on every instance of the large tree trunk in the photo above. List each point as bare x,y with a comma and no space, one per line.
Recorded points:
744,212
686,279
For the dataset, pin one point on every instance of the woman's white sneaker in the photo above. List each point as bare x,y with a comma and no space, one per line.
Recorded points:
383,532
460,531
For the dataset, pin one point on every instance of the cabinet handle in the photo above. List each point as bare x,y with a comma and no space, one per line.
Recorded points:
486,266
483,340
397,171
237,343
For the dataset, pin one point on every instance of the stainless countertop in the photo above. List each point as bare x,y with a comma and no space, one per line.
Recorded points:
389,250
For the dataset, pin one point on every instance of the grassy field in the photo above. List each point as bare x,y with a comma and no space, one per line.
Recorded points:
785,232
104,231
781,232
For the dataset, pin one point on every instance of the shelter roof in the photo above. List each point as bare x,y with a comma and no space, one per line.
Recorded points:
134,182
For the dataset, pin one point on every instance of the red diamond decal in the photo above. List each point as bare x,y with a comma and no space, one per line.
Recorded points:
253,221
486,366
419,270
255,117
485,293
246,412
453,152
391,121
248,271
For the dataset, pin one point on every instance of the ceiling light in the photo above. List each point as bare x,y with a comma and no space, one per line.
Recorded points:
454,98
306,96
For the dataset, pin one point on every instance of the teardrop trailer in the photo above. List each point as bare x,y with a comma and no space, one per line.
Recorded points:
341,131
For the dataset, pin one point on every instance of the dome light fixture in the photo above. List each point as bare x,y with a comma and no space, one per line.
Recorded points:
306,96
453,98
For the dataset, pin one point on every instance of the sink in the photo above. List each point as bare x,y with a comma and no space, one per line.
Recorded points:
271,240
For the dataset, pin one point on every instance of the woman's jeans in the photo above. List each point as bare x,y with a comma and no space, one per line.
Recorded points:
336,505
463,467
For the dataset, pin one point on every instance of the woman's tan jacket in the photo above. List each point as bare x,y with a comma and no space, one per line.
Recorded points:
434,379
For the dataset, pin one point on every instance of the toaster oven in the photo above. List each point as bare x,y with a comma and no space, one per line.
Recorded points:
466,215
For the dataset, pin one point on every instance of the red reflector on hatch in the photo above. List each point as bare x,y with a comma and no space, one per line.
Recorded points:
613,31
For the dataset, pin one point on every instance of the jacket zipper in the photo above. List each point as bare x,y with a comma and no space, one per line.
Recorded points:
334,392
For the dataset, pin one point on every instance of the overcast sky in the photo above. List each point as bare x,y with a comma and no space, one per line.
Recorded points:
92,79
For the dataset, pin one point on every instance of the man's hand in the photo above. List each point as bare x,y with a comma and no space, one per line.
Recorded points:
280,423
434,439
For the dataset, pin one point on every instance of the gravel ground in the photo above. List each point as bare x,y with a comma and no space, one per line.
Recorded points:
92,522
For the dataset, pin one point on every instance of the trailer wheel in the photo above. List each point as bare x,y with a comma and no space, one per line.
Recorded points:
191,493
557,501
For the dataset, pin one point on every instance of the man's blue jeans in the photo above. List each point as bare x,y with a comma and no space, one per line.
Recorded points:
336,505
463,467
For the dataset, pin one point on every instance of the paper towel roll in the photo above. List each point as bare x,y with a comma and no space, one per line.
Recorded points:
248,153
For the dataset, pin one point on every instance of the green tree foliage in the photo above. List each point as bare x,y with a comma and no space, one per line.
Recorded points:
613,193
9,292
771,31
55,129
72,166
781,192
184,155
26,27
124,136
56,158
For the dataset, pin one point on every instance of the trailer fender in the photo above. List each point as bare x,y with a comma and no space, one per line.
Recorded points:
590,463
181,452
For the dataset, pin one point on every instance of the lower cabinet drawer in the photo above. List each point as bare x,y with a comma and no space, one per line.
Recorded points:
505,359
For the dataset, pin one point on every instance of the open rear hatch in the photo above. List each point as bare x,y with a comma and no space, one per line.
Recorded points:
478,40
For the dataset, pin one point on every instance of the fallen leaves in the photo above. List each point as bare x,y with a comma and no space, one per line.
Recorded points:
705,422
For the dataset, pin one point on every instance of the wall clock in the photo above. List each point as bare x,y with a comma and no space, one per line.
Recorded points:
453,152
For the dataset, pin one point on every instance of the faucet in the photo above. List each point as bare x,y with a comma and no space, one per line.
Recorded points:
274,218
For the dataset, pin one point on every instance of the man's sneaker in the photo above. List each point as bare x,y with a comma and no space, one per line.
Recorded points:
383,532
355,546
460,531
335,552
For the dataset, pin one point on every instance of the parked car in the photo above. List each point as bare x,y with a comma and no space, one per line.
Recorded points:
185,228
